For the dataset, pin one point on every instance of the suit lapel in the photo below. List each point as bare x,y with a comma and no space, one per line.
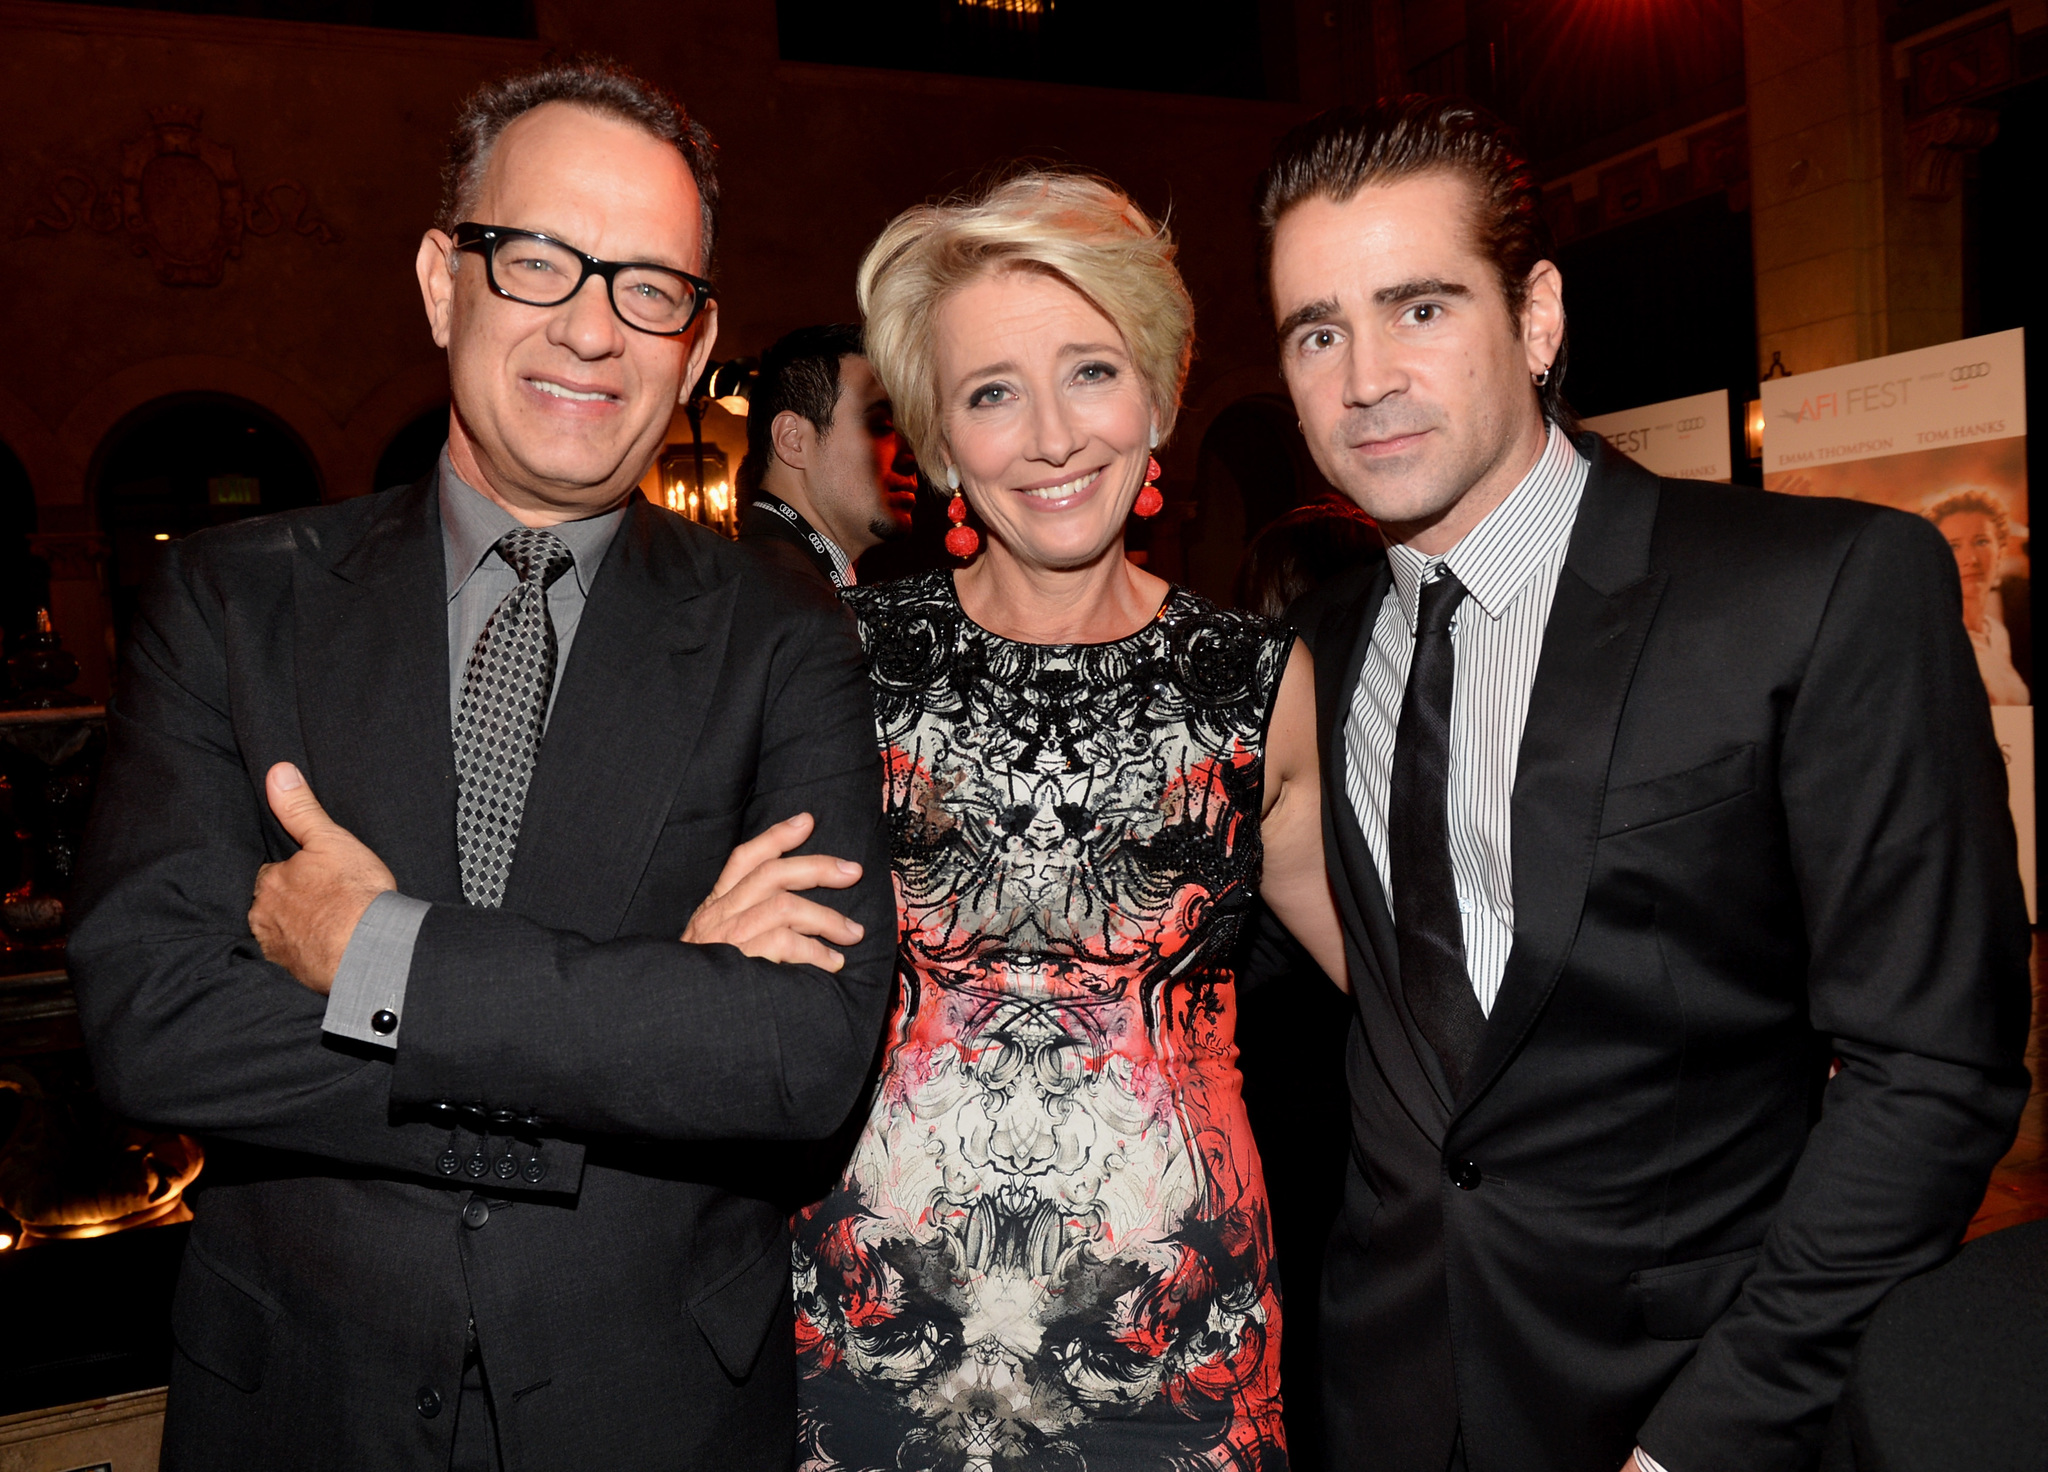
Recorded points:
640,679
371,648
1607,597
1345,636
1414,1072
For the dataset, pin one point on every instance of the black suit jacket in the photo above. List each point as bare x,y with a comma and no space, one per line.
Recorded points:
772,537
1759,822
631,1303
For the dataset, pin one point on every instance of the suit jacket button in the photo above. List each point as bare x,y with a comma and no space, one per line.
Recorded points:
384,1022
428,1402
475,1213
533,1172
476,1165
1466,1177
447,1162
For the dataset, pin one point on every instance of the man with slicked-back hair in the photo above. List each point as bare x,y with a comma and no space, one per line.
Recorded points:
1671,847
493,1068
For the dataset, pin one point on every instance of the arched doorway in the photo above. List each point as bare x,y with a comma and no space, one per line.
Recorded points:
181,465
1253,467
24,583
413,451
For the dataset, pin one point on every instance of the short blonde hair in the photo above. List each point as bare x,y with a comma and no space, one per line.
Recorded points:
1077,228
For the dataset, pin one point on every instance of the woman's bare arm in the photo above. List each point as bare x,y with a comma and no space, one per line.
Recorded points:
1296,886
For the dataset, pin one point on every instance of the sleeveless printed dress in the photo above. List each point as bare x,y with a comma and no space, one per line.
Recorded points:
1051,1249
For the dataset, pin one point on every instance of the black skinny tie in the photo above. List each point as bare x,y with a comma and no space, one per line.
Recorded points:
1432,943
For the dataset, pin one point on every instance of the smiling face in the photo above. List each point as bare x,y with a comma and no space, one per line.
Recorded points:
559,410
1043,414
1411,376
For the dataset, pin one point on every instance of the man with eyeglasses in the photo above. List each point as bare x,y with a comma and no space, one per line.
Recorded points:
490,1071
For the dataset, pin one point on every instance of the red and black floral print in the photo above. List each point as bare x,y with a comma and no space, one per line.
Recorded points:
1051,1247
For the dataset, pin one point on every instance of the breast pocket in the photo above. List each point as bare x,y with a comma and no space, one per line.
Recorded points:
1681,794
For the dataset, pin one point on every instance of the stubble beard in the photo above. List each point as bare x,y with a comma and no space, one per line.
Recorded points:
886,528
1415,496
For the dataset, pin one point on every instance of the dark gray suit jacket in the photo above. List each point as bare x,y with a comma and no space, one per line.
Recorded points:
1759,823
631,1303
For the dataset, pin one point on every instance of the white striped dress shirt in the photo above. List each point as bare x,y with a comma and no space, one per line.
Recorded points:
1509,564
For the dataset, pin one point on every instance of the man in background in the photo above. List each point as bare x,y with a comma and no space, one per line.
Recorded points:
826,474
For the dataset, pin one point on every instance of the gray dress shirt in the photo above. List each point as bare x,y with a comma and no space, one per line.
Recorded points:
374,968
1509,564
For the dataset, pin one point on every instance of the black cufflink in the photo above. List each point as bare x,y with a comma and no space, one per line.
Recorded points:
384,1022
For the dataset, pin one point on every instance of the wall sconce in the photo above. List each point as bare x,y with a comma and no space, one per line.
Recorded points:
695,479
730,384
696,483
1753,411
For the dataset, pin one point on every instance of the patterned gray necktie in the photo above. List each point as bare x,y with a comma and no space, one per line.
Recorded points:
498,723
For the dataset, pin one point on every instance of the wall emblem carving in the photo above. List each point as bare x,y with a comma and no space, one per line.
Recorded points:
180,199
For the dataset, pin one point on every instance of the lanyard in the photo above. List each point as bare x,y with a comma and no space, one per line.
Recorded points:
842,568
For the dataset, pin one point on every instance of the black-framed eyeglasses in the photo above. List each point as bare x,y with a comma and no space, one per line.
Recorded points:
539,271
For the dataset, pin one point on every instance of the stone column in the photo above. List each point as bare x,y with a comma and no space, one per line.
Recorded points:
1814,77
1856,218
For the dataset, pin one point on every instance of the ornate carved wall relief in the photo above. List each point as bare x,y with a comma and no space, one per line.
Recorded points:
180,198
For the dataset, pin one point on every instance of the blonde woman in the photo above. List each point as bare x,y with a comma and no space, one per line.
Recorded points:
1051,1248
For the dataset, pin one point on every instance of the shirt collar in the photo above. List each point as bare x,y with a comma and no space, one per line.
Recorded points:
472,523
1498,557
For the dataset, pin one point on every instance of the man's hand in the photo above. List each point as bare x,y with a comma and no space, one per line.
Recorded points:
306,908
755,905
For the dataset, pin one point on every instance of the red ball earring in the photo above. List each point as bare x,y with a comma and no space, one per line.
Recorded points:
1149,500
962,541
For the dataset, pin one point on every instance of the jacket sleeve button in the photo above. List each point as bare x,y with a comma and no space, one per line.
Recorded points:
428,1402
533,1172
384,1022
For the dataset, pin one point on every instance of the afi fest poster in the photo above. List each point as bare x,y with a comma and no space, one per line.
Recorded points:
1686,439
1942,433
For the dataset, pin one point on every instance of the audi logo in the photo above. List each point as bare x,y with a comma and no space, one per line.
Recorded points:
1686,426
1967,371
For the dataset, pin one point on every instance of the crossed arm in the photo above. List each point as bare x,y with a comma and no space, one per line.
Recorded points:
307,907
744,1032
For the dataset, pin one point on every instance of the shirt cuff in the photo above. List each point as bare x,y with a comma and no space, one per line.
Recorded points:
1647,1462
368,995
